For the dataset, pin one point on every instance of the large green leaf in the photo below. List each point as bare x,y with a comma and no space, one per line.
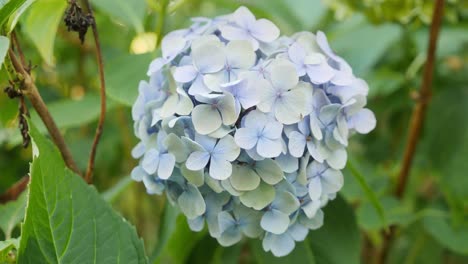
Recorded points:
130,13
338,240
4,45
17,14
123,75
67,220
41,26
11,214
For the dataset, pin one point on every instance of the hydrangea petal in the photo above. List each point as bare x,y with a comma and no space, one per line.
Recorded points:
259,198
269,148
150,161
243,178
275,222
220,169
166,166
206,119
269,171
246,138
191,202
264,30
197,160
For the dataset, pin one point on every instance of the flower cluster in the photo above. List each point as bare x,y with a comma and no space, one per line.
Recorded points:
247,131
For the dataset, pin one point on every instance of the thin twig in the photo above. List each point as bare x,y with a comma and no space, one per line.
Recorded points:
15,190
425,93
417,121
30,90
102,117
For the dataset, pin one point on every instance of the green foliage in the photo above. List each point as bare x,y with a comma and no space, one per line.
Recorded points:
8,250
67,220
339,240
4,45
41,24
302,254
11,214
129,13
123,75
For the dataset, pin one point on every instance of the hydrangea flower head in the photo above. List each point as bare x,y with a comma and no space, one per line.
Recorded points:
246,130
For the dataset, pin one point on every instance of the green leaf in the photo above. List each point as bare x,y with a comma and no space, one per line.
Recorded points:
338,240
68,113
11,214
353,41
130,13
41,26
4,46
177,243
18,13
302,253
8,250
166,230
370,194
114,192
123,75
453,237
67,220
395,213
8,9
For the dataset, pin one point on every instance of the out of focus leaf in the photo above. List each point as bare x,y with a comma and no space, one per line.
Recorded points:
41,25
302,253
11,214
130,13
123,75
4,45
7,9
67,220
363,44
114,192
370,194
17,14
453,237
176,243
69,113
338,240
383,82
451,39
7,250
369,219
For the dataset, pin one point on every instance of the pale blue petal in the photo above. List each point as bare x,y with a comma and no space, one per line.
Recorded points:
197,160
138,173
283,74
275,221
281,245
225,221
288,163
220,169
196,224
206,119
185,74
166,166
240,54
150,161
246,138
363,121
337,159
332,181
264,30
296,144
269,148
315,188
286,202
208,57
226,148
139,150
191,202
152,185
230,237
243,17
273,130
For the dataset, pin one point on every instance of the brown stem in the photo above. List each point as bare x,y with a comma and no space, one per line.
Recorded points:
417,120
102,117
14,191
30,90
425,93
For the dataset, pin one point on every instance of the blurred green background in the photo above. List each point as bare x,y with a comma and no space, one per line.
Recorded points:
384,41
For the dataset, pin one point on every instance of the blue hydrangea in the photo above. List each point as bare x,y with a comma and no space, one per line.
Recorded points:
246,130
